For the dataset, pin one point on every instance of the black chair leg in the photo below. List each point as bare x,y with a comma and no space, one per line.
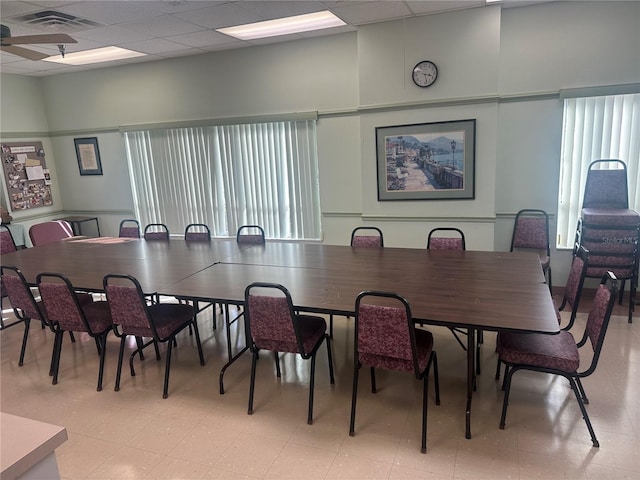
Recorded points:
119,369
425,396
354,396
585,415
254,359
583,394
330,358
140,345
507,388
198,343
311,385
102,340
436,377
373,380
58,350
25,335
277,360
165,391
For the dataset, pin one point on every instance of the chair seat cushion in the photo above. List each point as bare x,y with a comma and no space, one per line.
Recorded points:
312,330
557,352
98,315
424,346
169,318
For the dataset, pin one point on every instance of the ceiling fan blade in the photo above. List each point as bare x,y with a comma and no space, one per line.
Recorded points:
23,52
57,38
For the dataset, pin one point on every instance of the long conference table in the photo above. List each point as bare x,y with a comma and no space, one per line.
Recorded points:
470,290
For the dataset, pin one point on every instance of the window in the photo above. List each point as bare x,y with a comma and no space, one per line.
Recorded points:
594,128
228,176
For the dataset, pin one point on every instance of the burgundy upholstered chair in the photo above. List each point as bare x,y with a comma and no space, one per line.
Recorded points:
129,228
531,231
43,233
444,238
385,337
160,321
251,234
570,297
156,231
367,237
197,232
559,354
246,235
272,324
25,306
65,312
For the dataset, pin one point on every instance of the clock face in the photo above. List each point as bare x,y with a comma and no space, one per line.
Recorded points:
424,73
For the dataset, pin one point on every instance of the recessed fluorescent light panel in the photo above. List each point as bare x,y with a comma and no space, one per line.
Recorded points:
284,26
98,55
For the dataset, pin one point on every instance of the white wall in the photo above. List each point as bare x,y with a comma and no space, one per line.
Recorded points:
491,61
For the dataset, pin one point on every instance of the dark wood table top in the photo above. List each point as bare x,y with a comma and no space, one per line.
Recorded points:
489,290
155,263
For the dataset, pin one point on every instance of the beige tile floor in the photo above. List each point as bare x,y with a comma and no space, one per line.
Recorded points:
199,434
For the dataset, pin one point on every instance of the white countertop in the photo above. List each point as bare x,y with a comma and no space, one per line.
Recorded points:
25,442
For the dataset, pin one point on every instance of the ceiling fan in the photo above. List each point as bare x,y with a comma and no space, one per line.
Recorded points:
7,43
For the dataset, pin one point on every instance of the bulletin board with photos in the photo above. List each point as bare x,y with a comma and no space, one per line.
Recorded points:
27,177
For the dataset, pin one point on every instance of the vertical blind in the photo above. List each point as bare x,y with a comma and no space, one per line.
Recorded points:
228,176
594,128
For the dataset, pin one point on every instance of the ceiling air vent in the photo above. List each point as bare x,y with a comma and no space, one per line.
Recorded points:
58,21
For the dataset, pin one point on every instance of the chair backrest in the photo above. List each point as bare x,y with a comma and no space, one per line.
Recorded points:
270,318
156,231
606,188
47,232
599,316
61,303
129,228
575,283
7,244
128,306
20,295
372,237
197,232
452,239
255,235
385,335
531,230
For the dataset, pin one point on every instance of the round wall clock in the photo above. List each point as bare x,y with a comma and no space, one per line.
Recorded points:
425,73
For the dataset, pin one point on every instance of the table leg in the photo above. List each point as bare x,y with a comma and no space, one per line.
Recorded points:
232,358
470,377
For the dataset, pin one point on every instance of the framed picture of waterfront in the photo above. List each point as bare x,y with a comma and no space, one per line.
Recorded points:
426,161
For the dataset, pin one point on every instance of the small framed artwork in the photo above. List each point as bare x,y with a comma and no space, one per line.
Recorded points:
426,161
88,156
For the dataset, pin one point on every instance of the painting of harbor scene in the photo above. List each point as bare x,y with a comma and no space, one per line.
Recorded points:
426,161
